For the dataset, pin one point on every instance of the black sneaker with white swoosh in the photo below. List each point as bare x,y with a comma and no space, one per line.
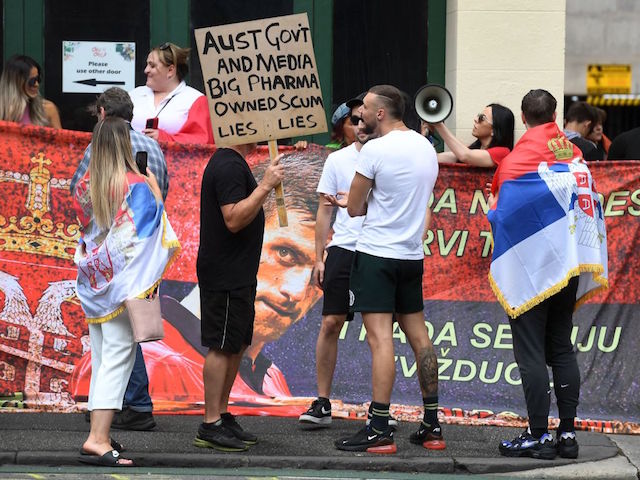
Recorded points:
365,440
319,414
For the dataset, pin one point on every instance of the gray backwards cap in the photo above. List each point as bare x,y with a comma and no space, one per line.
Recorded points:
340,114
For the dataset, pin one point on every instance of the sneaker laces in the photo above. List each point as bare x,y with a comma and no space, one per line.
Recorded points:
320,403
545,437
523,436
231,421
313,406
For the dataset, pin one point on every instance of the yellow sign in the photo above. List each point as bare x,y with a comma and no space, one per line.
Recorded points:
608,79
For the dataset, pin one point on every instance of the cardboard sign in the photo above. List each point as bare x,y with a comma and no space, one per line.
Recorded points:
608,79
92,67
261,81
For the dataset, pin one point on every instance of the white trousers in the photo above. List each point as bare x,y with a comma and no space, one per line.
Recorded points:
113,352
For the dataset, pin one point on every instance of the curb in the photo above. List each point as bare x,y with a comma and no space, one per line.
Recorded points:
359,461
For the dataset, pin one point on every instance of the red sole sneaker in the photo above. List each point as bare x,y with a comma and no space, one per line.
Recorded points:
435,445
383,449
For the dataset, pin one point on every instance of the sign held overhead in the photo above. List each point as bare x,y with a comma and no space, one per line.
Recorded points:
261,80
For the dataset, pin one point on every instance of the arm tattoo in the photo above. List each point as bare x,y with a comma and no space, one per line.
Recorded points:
428,371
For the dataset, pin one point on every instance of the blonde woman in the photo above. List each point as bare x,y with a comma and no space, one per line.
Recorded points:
166,109
126,244
20,99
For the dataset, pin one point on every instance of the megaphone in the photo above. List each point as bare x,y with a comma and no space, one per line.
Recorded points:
433,103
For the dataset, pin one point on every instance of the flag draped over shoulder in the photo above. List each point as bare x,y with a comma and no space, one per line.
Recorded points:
547,223
129,259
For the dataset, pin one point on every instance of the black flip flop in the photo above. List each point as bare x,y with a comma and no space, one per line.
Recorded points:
109,459
117,446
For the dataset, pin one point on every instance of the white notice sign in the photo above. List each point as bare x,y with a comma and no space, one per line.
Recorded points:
92,67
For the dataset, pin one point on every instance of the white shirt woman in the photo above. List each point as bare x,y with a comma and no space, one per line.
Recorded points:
166,109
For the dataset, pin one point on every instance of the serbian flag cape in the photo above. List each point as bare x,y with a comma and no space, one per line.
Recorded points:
129,259
547,223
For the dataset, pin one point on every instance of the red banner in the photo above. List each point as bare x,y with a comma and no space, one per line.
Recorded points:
44,347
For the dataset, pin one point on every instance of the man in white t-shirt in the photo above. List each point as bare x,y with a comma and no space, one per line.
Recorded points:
332,273
394,179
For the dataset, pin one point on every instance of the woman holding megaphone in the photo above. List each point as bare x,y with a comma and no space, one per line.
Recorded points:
493,130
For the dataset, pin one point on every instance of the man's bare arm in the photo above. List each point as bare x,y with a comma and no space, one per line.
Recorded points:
323,225
357,203
427,224
239,215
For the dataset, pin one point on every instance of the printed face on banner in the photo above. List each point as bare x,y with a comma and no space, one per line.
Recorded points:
261,80
284,292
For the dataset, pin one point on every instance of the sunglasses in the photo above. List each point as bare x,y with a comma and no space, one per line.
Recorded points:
33,80
355,119
481,117
166,59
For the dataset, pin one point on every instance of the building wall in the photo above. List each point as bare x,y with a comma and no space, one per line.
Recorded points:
601,32
25,27
498,50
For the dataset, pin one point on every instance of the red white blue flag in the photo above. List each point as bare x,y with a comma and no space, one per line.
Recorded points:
547,224
129,259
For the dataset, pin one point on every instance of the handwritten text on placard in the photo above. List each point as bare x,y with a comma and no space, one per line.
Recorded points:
261,80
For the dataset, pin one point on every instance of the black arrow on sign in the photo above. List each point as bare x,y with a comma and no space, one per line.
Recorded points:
93,82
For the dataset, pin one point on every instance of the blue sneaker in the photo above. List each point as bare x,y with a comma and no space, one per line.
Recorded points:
526,445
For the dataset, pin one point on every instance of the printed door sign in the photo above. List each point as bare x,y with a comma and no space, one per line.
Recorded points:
92,67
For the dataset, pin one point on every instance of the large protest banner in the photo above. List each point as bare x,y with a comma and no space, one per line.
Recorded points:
44,348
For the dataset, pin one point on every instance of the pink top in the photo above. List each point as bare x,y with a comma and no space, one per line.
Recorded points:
26,118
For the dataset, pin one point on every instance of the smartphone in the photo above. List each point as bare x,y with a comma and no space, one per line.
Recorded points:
141,161
152,123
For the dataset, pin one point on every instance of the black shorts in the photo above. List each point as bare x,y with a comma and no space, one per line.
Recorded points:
227,318
337,270
383,285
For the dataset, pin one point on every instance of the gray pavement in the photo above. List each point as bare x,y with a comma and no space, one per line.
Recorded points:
54,439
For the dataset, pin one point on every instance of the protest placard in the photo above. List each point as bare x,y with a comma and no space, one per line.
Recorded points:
261,80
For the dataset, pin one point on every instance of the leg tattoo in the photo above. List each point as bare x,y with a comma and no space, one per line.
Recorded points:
428,371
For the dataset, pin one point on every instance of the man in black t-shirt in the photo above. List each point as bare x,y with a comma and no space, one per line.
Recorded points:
579,121
231,232
626,146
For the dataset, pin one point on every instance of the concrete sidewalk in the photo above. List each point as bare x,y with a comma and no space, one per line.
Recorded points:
54,439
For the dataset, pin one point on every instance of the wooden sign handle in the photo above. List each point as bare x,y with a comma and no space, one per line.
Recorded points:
282,210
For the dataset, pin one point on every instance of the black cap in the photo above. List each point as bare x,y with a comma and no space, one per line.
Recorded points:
356,101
